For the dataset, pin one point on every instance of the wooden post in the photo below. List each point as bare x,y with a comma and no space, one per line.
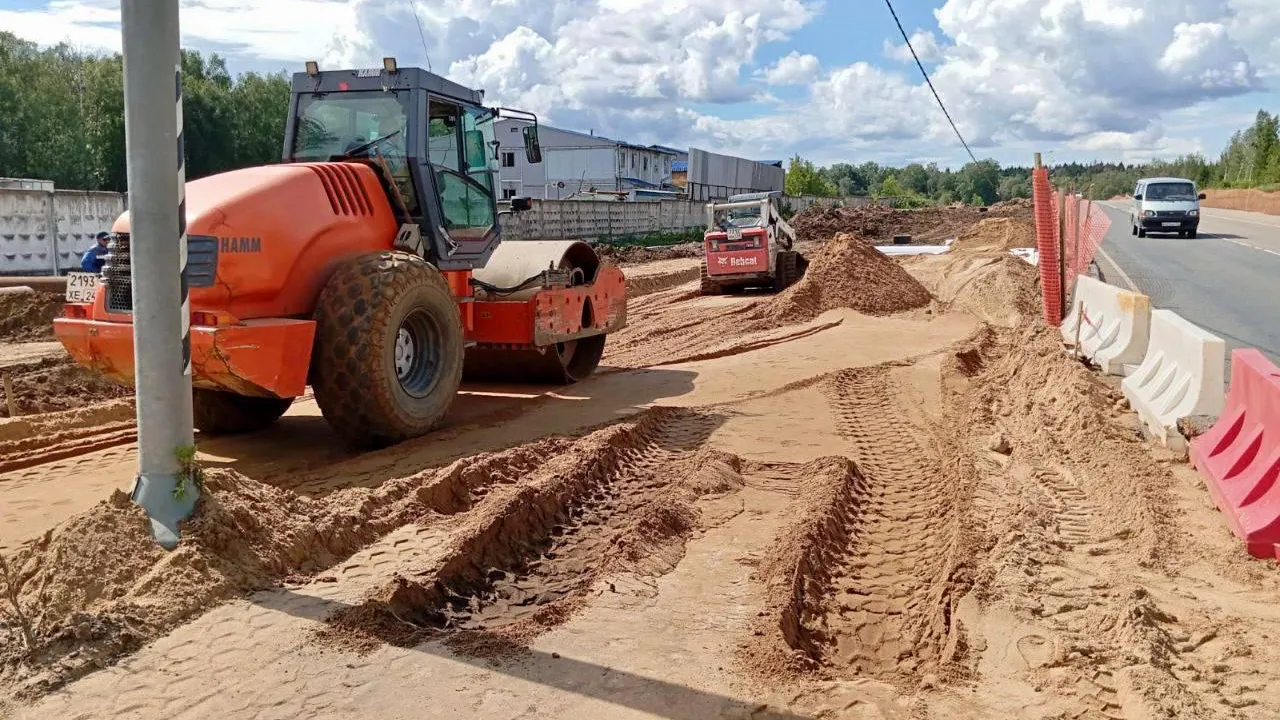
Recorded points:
1079,320
10,399
1039,164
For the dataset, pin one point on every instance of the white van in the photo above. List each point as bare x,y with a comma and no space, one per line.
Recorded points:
1165,205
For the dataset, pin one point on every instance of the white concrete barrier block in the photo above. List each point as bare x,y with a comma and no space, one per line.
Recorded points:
1181,375
1114,324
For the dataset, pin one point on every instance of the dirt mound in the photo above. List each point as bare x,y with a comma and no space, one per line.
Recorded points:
55,384
997,234
879,224
997,288
98,586
848,272
638,254
662,275
1052,407
28,317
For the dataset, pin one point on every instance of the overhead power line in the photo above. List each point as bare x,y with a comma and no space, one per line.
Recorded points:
413,7
927,80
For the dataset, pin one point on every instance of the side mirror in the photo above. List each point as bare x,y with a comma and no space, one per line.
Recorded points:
1137,197
1203,196
521,204
532,150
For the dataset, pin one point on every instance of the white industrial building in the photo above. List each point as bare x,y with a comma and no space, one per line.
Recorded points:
575,163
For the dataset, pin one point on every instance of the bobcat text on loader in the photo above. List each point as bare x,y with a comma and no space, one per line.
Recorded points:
748,244
368,265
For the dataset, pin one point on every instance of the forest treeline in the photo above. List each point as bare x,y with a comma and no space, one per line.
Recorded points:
63,120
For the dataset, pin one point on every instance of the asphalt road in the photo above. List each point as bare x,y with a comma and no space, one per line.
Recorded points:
1227,280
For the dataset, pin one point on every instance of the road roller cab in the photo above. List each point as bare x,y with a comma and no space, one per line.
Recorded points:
369,265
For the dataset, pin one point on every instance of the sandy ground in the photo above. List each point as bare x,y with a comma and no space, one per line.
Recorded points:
763,507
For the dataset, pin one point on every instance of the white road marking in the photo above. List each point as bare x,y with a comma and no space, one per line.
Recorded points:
1230,218
1251,247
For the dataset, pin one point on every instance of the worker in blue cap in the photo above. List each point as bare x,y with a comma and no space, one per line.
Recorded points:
93,258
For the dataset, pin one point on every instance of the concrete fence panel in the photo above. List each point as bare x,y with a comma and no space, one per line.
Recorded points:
44,231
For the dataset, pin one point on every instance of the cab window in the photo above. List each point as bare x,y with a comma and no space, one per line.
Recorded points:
442,135
455,148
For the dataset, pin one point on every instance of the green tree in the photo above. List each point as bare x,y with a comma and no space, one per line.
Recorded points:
62,115
980,180
804,179
891,187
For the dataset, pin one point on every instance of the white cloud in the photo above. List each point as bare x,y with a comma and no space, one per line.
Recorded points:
792,69
1089,76
280,30
924,42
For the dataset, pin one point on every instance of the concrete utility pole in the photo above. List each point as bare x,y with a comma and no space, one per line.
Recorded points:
157,255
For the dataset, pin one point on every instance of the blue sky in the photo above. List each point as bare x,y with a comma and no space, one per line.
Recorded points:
1081,79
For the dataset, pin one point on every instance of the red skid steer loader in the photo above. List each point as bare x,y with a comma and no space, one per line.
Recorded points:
748,244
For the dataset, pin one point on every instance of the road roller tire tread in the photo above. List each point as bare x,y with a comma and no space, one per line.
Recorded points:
357,318
223,413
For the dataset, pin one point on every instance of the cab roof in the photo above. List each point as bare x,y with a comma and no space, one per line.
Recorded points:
1146,181
375,79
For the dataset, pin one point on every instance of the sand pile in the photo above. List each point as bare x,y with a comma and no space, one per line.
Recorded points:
879,224
997,234
1054,409
847,272
28,317
98,586
638,254
58,383
995,287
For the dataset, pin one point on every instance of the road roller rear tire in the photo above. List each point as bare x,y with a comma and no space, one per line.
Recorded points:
388,349
224,413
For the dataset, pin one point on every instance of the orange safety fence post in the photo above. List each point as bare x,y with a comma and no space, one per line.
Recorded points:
1047,243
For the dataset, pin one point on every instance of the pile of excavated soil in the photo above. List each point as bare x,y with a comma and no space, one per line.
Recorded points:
980,277
1055,410
638,254
660,275
848,272
997,234
926,226
1003,290
677,325
28,317
98,585
58,383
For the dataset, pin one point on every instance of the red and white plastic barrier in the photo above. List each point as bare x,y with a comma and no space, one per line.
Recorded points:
1239,456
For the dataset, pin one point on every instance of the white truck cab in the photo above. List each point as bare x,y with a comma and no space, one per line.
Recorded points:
1165,205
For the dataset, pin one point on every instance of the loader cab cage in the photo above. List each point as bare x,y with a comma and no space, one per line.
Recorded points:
434,137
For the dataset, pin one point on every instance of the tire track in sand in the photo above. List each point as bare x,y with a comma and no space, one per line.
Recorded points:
532,553
888,606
